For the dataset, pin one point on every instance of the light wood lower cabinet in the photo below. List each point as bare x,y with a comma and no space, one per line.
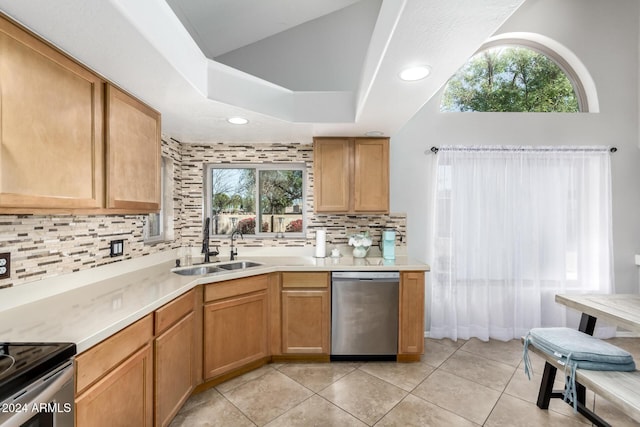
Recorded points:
175,356
143,374
411,334
235,324
306,313
114,380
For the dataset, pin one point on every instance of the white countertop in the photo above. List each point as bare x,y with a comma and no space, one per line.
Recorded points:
75,308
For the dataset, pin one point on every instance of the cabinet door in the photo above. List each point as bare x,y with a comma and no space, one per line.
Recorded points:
124,397
331,175
371,175
305,321
235,333
175,369
133,154
411,334
51,127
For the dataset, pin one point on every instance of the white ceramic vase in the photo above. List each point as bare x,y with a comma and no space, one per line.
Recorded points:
360,252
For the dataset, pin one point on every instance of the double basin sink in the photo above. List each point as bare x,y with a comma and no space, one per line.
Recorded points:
201,270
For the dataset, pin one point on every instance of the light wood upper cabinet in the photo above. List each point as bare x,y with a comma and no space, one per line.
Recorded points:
331,172
371,175
57,154
351,175
133,153
51,127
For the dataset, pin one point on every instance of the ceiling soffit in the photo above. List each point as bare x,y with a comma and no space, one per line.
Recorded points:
143,48
222,26
324,54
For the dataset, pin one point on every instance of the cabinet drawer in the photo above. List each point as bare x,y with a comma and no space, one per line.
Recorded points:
305,280
101,358
216,291
173,311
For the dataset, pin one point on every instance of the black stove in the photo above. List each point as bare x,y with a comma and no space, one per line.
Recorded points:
21,363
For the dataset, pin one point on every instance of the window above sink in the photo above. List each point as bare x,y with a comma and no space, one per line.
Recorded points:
261,200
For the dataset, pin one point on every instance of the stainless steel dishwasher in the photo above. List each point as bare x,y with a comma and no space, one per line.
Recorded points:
364,315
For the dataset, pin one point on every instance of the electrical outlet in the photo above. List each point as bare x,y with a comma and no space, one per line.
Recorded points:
117,248
116,302
5,265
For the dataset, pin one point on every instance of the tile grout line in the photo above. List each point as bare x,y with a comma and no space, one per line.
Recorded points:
439,367
239,385
314,393
502,393
239,410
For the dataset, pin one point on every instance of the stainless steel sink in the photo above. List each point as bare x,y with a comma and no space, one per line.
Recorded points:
201,270
240,265
198,270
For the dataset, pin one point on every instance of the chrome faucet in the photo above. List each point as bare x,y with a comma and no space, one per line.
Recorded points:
205,242
234,251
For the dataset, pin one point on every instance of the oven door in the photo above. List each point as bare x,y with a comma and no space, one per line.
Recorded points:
46,402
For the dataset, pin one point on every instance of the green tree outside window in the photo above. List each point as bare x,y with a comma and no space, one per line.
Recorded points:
510,79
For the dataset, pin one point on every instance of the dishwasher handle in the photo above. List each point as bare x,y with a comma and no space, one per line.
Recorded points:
366,275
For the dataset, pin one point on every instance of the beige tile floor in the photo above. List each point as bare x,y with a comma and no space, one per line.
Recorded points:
464,383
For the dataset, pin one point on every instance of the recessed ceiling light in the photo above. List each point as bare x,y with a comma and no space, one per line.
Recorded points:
238,120
374,133
415,73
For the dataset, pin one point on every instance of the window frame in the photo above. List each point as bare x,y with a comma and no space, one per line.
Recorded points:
207,196
162,235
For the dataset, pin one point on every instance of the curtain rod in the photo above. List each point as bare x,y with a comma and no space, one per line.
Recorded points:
435,150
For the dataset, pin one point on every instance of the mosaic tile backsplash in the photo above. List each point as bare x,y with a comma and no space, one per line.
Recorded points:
49,245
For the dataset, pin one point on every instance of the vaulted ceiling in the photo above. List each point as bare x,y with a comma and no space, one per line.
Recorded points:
294,68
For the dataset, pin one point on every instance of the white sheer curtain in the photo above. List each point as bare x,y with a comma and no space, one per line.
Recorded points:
513,227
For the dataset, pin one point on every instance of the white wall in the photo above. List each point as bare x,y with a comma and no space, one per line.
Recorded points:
604,36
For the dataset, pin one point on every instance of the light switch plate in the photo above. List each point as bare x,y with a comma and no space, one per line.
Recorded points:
117,248
5,265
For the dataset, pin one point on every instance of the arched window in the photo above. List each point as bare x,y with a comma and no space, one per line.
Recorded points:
515,76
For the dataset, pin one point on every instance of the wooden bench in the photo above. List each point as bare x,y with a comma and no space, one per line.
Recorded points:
622,389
